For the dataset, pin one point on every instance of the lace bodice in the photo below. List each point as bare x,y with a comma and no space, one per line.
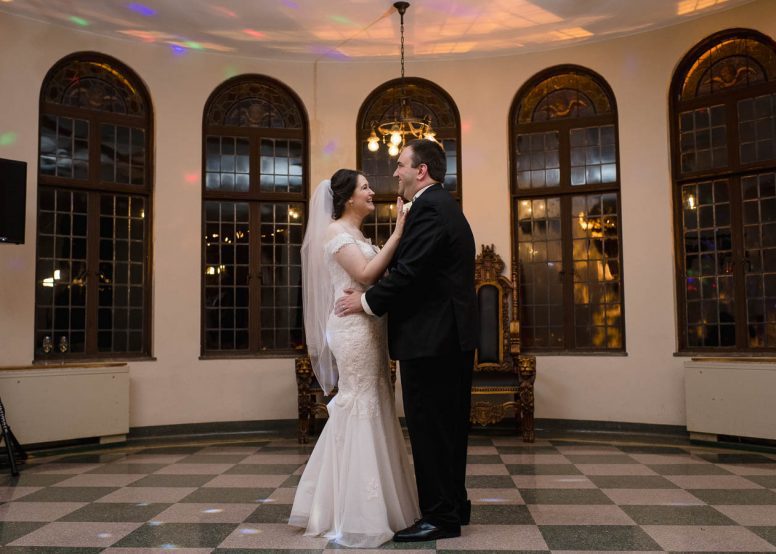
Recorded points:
340,279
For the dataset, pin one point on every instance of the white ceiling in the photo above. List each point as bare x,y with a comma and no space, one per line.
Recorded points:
362,29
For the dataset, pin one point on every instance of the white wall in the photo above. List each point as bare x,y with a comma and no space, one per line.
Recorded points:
645,386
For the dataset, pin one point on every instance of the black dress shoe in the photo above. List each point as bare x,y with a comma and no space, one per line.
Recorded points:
424,531
466,513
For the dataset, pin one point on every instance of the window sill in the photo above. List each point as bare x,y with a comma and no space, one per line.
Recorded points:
539,353
759,357
253,355
89,362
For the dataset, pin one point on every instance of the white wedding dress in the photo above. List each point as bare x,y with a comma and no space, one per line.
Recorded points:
358,488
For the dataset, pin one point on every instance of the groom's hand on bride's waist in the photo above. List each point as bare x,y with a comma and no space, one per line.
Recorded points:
348,304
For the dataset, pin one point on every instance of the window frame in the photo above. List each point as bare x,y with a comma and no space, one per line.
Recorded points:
734,172
255,198
94,187
565,191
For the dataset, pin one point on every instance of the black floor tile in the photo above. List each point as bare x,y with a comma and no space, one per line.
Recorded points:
68,494
597,537
270,513
182,535
501,515
116,512
12,530
676,515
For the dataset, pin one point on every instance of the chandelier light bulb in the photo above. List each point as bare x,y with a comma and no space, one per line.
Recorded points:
395,137
393,150
373,145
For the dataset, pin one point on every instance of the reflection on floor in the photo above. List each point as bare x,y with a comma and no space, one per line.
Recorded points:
564,493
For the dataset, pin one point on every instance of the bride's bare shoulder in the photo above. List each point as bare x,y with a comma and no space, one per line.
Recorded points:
334,228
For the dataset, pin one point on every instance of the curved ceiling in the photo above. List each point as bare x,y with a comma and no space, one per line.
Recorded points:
362,29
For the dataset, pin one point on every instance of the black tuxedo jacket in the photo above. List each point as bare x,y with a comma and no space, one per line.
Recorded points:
428,293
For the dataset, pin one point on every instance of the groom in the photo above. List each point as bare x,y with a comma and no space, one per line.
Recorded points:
429,297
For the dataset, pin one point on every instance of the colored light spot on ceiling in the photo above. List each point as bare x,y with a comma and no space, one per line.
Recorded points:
290,4
230,71
332,53
177,49
224,11
141,9
253,33
80,21
193,45
191,177
341,19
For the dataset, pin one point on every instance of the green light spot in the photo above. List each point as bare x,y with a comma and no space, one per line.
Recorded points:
193,45
230,71
8,138
80,21
341,19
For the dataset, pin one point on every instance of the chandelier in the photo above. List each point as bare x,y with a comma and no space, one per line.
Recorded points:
404,125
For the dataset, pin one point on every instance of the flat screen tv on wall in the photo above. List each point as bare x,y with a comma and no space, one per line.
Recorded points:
13,195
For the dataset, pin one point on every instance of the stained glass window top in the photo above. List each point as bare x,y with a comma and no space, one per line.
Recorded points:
254,103
728,64
569,94
97,84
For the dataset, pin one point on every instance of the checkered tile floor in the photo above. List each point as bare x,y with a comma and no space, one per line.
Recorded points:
560,494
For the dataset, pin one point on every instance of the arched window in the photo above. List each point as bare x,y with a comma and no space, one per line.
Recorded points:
255,152
723,143
566,220
383,104
93,282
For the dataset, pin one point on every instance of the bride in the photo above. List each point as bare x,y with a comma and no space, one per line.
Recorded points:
357,488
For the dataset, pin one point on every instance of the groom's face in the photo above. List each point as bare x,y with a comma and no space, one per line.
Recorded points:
406,173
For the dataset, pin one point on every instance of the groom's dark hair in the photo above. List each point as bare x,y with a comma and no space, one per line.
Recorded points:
431,153
343,183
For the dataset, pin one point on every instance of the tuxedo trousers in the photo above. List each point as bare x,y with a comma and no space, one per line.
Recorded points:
437,402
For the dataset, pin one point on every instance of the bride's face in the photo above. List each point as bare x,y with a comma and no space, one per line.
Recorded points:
362,197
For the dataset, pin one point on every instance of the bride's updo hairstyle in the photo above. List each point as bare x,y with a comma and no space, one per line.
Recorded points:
343,183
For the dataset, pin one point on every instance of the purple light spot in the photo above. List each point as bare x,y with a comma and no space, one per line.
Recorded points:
330,53
290,4
141,9
177,49
330,147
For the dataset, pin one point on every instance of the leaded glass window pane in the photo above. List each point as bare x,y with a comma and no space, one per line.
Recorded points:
379,225
593,155
227,275
540,251
708,264
227,164
759,208
703,139
281,275
280,165
62,271
122,268
64,147
538,160
757,128
122,154
598,321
